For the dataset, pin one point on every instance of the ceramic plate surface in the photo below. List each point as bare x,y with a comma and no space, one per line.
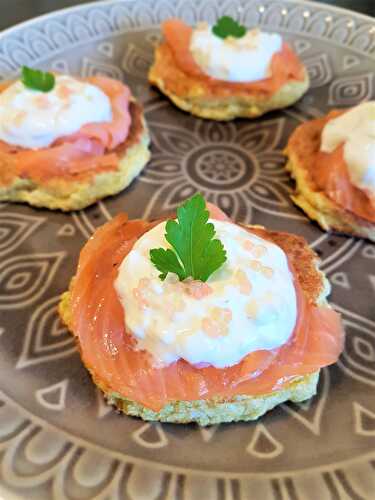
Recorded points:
58,439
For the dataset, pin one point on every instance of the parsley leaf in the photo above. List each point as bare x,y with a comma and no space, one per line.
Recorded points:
37,80
226,26
194,253
166,261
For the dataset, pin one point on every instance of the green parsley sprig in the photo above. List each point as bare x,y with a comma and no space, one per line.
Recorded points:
37,80
226,26
195,252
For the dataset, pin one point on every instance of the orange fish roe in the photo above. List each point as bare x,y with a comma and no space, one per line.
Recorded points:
259,251
248,245
146,297
267,272
64,92
255,265
141,293
42,102
243,282
209,327
19,118
223,313
197,289
252,309
138,297
174,304
217,325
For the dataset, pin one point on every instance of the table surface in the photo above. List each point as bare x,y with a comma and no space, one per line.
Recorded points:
15,11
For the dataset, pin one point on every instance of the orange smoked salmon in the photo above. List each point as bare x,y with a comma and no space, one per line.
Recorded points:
285,65
328,173
91,149
109,352
331,175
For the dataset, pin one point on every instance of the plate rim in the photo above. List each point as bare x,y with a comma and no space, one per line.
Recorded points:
157,465
93,3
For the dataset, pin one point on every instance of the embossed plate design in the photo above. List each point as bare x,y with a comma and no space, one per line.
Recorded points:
58,440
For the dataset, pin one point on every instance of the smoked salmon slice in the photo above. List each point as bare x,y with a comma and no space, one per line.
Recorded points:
91,149
285,65
109,351
328,172
331,175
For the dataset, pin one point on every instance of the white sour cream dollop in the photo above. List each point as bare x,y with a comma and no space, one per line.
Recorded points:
34,119
245,59
356,130
246,305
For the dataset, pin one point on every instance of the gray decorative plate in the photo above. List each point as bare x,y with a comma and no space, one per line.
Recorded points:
58,440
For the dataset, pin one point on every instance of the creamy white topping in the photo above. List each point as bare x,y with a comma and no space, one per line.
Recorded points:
34,119
247,305
245,59
356,130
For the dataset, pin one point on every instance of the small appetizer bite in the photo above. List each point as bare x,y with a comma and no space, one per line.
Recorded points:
226,71
332,160
194,321
67,142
